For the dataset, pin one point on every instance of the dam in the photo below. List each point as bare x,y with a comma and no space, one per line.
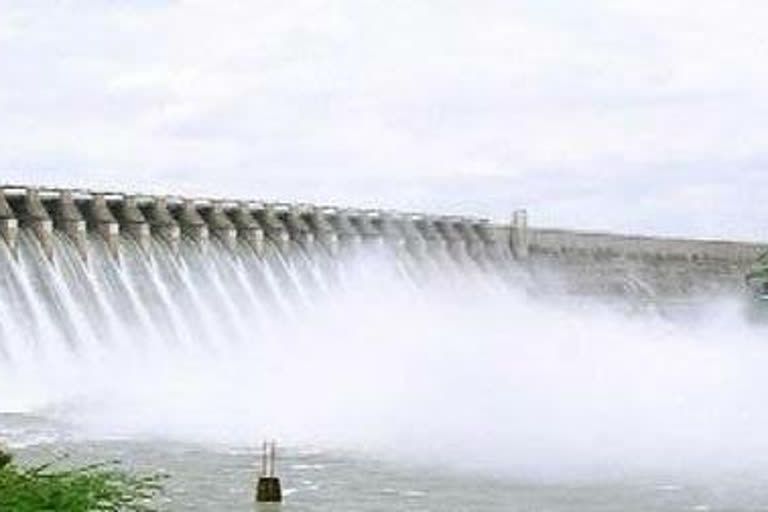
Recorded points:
585,261
80,213
83,269
142,323
111,215
81,266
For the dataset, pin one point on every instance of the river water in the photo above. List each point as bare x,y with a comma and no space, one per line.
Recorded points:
212,477
389,383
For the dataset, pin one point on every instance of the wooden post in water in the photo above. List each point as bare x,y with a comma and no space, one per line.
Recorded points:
268,488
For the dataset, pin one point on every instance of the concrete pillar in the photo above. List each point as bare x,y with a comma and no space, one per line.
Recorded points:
273,227
322,228
219,225
33,215
347,233
454,240
298,229
133,222
248,229
390,228
518,236
472,241
9,225
268,489
67,218
414,240
428,229
161,222
362,221
190,222
485,231
99,218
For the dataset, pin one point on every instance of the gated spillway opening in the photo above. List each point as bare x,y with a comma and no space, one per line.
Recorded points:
82,270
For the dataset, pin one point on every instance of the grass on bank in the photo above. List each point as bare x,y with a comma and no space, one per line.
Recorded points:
94,488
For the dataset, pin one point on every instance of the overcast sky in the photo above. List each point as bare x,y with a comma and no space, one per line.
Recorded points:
644,116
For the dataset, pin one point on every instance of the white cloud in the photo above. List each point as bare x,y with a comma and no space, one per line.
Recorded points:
399,102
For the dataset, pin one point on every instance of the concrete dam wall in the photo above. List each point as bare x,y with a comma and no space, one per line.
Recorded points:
255,224
556,260
605,263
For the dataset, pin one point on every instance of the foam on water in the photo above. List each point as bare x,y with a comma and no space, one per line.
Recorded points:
462,369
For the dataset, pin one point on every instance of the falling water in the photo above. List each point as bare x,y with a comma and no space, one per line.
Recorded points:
434,356
199,300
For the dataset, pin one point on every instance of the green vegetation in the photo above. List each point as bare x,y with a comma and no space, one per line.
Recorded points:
94,488
757,278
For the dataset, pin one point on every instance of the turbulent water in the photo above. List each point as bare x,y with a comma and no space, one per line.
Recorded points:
391,382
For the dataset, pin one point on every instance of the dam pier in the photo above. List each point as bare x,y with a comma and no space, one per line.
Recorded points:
109,216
